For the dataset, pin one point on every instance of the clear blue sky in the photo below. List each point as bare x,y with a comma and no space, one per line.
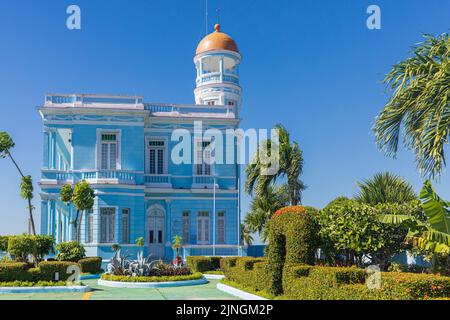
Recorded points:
311,65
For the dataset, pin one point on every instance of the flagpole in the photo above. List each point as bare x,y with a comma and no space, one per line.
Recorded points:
239,217
214,218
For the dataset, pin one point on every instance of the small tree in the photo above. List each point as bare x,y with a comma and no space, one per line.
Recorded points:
82,197
26,186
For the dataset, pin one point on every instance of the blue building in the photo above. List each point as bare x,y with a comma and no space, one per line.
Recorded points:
124,147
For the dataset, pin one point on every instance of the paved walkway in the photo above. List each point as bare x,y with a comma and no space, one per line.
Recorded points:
200,292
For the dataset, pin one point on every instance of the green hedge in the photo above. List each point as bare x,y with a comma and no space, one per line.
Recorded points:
252,273
91,265
194,276
202,264
228,262
4,243
33,284
305,282
19,271
48,270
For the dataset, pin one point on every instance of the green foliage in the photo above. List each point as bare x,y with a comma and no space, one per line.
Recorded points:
33,284
4,243
21,247
48,270
44,246
202,264
26,188
19,271
260,175
433,235
70,251
250,272
419,105
13,271
66,193
91,265
293,239
6,144
227,262
194,276
140,241
83,196
262,207
246,234
385,187
354,229
304,282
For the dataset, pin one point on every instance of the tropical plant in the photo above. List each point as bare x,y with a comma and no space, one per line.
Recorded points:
246,235
433,235
419,106
290,165
177,244
70,251
385,187
140,241
82,196
263,207
353,230
26,186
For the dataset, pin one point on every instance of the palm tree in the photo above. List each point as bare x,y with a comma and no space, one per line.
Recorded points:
385,187
246,235
419,106
290,159
26,185
263,207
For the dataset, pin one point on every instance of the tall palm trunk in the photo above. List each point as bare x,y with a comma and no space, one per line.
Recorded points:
30,207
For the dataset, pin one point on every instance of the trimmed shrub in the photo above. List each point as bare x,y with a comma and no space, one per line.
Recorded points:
202,264
13,271
70,251
249,272
247,263
214,263
44,245
228,262
90,265
110,277
48,270
293,240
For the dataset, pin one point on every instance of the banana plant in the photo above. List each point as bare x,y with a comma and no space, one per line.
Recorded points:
432,235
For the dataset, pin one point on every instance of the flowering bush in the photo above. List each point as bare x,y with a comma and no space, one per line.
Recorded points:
291,209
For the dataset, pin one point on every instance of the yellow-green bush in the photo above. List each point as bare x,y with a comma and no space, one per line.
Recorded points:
202,264
305,282
90,265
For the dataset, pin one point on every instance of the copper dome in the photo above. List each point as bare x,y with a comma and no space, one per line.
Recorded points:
217,41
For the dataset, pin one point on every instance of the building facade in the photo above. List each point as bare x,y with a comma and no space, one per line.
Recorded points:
124,148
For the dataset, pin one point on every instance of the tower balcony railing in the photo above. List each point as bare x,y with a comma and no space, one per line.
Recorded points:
217,77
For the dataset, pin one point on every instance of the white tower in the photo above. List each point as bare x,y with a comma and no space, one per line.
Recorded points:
217,62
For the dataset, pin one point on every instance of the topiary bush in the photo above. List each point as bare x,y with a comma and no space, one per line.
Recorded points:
252,273
70,251
48,270
202,264
228,262
293,238
91,265
13,271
